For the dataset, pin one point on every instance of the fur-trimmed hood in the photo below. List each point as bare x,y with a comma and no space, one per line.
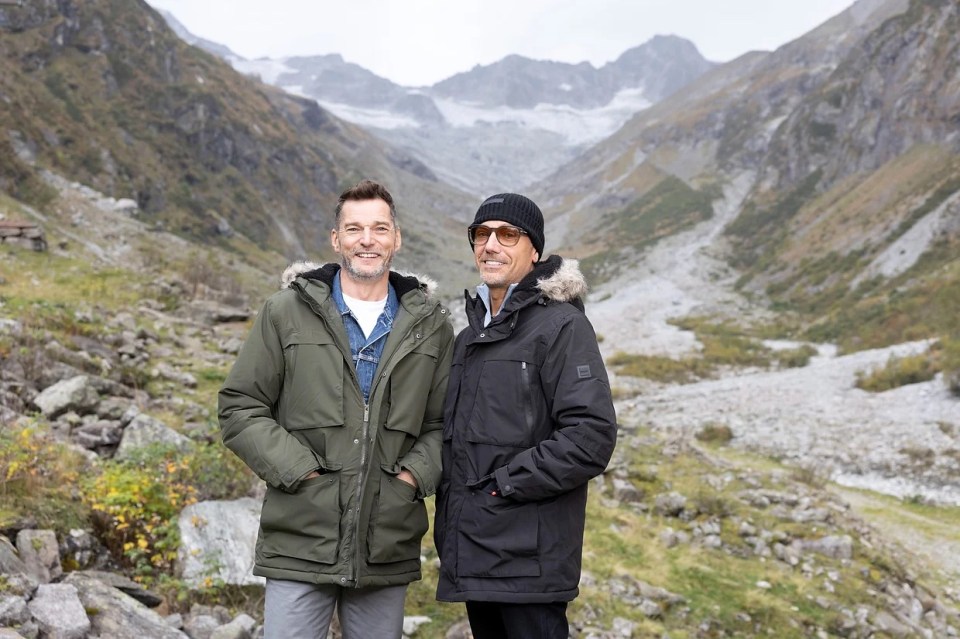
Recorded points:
292,272
553,280
563,281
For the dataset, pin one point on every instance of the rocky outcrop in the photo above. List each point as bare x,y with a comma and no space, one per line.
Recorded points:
23,234
898,90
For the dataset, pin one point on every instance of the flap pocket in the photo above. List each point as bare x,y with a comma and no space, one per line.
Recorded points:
304,336
304,524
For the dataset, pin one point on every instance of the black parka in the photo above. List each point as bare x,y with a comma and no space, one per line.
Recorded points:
529,415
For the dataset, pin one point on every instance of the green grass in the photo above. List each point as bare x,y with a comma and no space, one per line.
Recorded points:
668,208
723,345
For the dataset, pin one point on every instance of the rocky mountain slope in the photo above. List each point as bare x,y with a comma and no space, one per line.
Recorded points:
869,210
105,94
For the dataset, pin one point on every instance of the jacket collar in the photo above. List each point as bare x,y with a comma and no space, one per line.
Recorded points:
552,280
402,282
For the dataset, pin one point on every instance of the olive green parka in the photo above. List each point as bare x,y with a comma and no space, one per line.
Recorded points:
292,404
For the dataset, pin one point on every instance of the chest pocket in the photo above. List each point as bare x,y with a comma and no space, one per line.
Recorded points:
509,408
410,383
313,381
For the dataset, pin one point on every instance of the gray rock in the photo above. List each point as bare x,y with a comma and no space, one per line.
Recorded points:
10,561
119,616
671,538
175,620
40,553
127,586
201,626
240,628
887,623
626,492
412,623
76,393
113,408
217,539
651,609
170,373
836,547
669,504
99,434
13,610
144,430
59,612
85,551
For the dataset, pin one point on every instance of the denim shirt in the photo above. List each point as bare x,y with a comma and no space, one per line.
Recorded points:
483,292
366,351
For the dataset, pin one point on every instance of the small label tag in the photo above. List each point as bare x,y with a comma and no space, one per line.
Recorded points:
583,372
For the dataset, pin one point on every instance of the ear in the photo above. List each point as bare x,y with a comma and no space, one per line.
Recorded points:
399,240
536,257
334,240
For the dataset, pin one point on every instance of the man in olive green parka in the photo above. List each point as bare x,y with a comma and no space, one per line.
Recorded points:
335,401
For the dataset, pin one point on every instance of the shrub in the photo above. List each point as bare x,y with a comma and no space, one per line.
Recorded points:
796,357
37,476
898,371
951,364
135,506
136,501
658,368
715,432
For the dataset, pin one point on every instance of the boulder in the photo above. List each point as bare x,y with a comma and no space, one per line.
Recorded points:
217,539
76,393
40,553
59,612
144,430
118,615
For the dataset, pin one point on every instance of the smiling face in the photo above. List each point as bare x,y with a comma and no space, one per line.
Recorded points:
500,266
366,238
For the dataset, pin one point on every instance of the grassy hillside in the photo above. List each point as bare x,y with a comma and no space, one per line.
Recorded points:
105,94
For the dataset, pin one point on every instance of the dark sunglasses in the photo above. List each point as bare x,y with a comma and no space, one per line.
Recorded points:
506,235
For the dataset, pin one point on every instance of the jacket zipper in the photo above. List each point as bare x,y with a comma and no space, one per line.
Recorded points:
361,481
364,462
527,394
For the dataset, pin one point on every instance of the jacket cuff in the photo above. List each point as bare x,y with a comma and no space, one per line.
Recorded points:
290,480
503,481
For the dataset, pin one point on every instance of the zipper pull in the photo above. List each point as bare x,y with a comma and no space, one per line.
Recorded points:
523,366
366,413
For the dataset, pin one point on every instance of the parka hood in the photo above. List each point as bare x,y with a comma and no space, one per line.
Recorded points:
324,272
560,279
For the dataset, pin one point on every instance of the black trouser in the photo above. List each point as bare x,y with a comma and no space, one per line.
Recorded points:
518,621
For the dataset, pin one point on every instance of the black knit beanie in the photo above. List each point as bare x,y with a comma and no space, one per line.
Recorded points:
517,210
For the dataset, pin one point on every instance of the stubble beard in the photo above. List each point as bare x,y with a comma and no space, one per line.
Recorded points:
365,275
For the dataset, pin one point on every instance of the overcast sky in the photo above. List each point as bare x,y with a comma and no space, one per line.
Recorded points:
420,42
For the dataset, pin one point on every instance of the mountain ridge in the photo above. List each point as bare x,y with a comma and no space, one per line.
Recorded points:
505,124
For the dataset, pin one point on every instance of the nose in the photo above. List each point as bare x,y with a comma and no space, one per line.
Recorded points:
367,237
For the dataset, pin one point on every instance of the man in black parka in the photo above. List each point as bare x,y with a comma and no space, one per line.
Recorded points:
528,421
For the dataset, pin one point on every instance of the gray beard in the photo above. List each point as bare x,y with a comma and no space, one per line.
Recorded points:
363,277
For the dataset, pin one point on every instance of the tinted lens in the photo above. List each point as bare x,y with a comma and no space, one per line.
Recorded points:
506,235
479,234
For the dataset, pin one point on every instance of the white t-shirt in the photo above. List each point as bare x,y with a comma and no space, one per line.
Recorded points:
367,313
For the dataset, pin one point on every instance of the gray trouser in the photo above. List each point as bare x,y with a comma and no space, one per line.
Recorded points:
298,610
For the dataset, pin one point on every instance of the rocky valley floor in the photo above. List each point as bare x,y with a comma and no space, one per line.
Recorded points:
904,442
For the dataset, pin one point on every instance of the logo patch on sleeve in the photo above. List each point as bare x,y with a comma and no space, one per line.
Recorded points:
583,372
